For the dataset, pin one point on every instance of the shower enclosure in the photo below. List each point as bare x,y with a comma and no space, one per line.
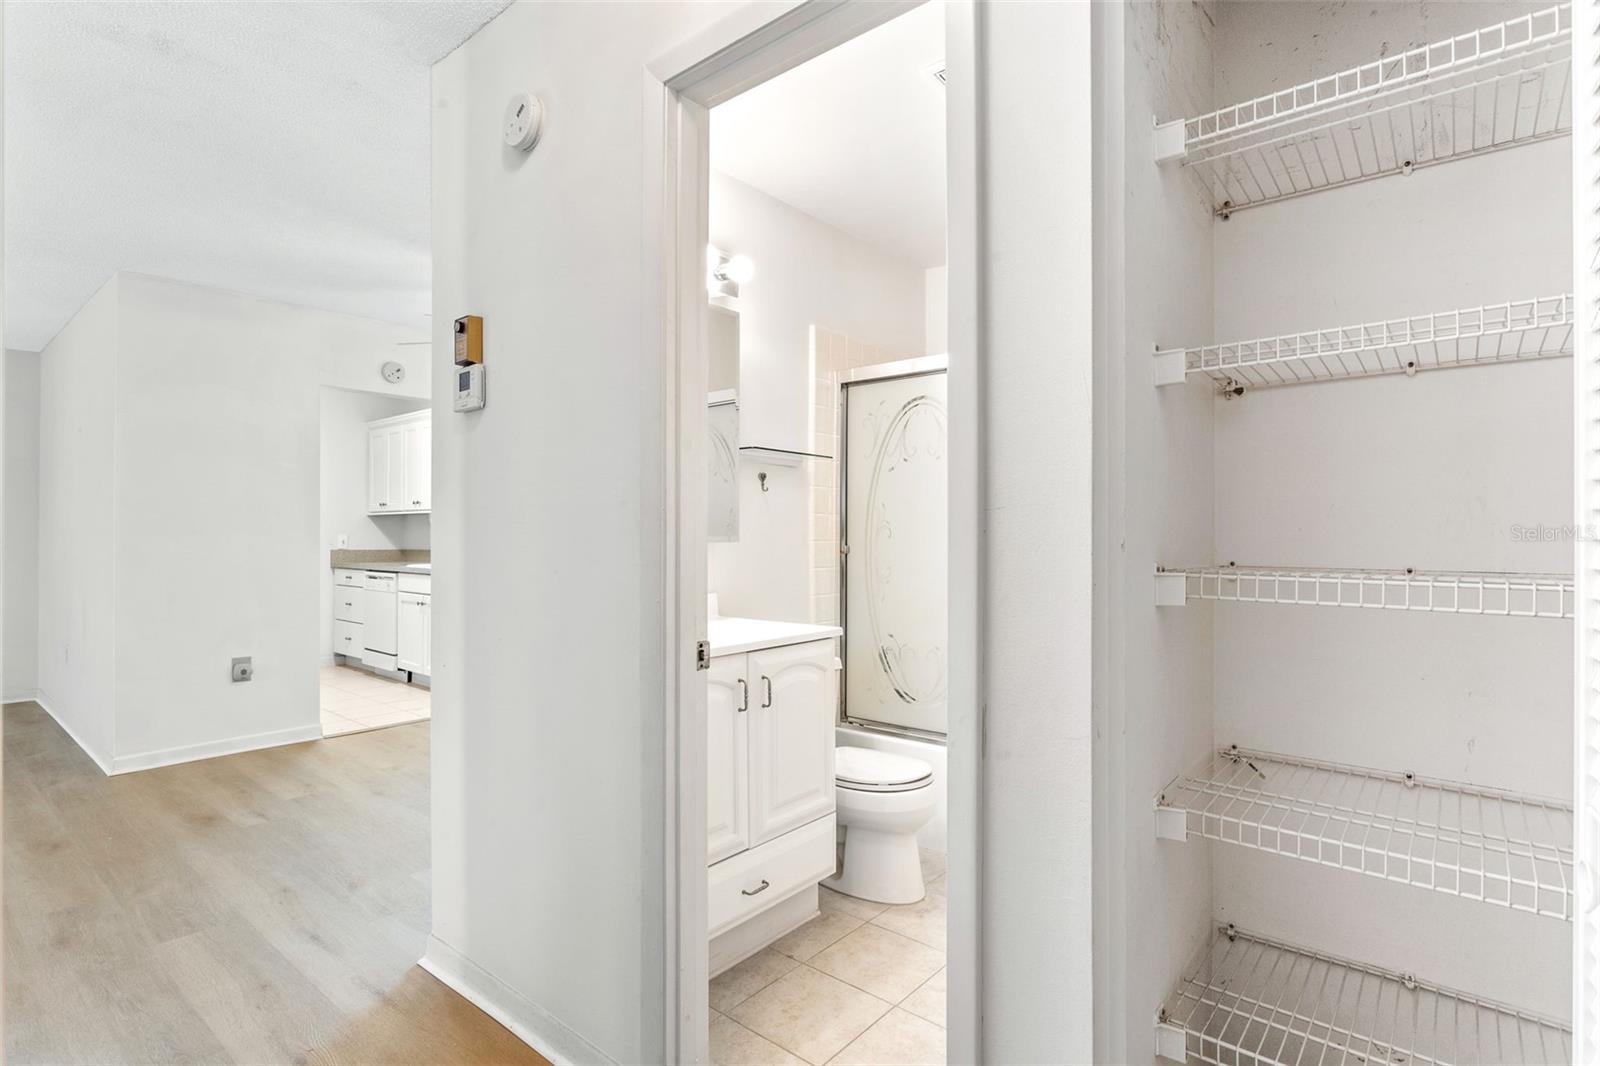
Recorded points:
894,529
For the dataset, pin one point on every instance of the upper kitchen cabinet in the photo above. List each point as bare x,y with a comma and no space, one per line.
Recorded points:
400,464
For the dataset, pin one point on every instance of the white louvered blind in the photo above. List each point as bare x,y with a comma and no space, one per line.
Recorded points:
1586,263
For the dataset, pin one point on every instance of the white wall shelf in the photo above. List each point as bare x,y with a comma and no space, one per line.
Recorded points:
1539,328
1494,88
1483,844
1501,594
1248,999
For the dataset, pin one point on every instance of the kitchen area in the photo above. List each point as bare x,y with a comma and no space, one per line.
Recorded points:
376,501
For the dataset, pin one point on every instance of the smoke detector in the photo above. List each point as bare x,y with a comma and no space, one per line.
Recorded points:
394,373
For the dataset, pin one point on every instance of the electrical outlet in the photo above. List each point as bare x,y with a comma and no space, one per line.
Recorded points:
242,670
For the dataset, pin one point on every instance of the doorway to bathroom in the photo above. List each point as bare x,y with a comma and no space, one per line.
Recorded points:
823,778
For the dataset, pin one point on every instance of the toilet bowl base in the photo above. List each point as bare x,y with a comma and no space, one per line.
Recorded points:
882,867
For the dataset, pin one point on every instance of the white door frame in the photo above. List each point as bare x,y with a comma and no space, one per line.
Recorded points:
758,41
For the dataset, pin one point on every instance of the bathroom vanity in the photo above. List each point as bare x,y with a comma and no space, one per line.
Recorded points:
771,703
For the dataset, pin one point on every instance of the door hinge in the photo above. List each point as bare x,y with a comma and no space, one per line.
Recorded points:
702,655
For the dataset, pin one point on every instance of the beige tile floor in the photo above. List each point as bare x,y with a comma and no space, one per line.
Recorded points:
355,700
861,984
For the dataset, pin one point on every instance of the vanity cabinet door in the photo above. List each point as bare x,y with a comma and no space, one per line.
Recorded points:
793,700
727,759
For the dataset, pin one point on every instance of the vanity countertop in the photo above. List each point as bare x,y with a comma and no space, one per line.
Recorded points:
730,636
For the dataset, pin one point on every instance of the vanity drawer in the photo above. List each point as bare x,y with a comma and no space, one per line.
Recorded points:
347,604
347,578
785,865
421,584
347,639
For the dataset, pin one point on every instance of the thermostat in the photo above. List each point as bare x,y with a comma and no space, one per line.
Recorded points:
469,387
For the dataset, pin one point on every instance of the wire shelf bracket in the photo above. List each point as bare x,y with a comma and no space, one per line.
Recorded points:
1248,999
1509,595
1489,845
1494,88
1514,331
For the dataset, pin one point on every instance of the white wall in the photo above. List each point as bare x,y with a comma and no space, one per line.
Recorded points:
548,675
179,515
77,513
806,273
343,476
1036,364
21,547
1157,507
936,311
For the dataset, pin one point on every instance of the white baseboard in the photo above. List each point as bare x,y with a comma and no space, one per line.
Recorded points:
25,696
528,1021
99,760
149,760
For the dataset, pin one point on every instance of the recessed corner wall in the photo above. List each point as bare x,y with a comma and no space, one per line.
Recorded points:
179,516
20,680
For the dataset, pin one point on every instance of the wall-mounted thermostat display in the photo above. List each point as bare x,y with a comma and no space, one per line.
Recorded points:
469,387
469,340
524,119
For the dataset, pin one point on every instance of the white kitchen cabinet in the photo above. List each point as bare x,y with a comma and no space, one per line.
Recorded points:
727,756
417,446
793,705
414,633
400,464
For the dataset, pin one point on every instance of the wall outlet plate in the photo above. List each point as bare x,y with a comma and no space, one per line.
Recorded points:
242,670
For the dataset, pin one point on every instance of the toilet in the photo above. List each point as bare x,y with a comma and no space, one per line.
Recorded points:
883,799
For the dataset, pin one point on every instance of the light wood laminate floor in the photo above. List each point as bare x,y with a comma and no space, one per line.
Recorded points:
259,908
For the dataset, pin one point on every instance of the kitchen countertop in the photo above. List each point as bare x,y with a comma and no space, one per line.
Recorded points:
729,636
388,567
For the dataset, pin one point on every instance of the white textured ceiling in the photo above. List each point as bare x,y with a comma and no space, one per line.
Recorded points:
278,149
855,137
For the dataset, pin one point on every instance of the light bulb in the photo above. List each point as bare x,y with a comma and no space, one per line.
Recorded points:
739,269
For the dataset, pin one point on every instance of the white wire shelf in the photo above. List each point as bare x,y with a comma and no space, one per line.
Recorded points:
1498,594
1482,844
1494,88
1250,1001
1538,328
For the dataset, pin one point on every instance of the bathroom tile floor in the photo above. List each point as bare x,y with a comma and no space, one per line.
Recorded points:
355,700
861,984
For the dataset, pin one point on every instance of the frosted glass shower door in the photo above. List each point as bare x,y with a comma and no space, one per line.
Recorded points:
896,530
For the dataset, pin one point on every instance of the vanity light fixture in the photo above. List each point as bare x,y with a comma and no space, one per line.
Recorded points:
725,273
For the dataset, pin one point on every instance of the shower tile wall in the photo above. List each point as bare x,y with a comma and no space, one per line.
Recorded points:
832,355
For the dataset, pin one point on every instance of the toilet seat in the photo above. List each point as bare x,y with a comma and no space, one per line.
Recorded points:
867,770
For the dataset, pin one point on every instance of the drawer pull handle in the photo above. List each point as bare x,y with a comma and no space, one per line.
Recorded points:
744,695
768,680
765,884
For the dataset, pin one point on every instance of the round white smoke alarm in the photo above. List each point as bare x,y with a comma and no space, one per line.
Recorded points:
394,373
524,119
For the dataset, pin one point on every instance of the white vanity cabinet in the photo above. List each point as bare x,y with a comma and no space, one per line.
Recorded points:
400,464
770,716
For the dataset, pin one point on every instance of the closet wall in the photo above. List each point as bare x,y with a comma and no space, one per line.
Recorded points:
1434,472
1445,470
1166,512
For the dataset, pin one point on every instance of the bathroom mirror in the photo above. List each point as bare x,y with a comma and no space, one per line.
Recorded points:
722,424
